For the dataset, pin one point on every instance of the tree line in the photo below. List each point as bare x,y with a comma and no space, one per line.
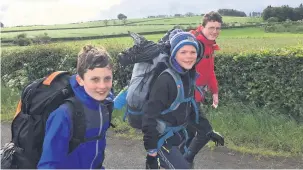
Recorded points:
283,13
231,12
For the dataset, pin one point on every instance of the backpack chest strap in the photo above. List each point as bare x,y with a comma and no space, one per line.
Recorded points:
181,96
180,92
169,132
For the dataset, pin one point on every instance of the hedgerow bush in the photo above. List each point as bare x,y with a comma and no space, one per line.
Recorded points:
272,79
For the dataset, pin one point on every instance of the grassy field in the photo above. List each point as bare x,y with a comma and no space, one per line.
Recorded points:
75,25
230,40
112,30
88,32
195,20
174,20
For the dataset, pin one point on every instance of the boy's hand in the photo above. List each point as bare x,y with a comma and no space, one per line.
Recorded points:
152,162
215,100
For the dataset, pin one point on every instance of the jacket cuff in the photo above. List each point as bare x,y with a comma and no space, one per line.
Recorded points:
151,151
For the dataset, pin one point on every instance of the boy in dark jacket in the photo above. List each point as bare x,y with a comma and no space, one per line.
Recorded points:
92,87
184,52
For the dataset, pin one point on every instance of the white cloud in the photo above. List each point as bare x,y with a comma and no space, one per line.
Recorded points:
44,12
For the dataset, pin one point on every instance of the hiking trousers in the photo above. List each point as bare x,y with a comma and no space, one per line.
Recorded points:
172,158
197,136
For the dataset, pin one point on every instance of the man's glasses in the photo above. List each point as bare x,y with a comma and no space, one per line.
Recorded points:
214,28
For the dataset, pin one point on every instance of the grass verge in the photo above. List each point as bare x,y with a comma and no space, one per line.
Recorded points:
257,130
246,129
9,101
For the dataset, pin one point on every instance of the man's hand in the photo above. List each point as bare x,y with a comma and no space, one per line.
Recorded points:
152,161
215,100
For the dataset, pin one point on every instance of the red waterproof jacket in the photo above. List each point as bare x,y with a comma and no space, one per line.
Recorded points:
205,67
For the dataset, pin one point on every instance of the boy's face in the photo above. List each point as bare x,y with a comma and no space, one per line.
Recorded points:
212,30
97,82
186,56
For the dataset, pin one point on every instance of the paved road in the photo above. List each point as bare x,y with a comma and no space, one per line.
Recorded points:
123,153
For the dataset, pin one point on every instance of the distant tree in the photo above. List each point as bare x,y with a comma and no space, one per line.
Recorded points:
1,25
273,19
189,14
121,16
268,12
105,22
178,15
283,13
42,39
231,12
124,21
256,14
114,22
22,40
298,12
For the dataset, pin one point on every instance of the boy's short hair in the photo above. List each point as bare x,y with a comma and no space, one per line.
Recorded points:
92,57
211,16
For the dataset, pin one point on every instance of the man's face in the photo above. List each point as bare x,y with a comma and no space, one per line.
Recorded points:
212,30
97,82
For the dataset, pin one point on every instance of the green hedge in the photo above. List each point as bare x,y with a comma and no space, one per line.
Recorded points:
23,66
267,78
271,79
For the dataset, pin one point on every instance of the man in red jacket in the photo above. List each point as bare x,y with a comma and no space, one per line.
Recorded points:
200,134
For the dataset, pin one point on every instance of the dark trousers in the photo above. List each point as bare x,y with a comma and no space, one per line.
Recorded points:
172,159
197,137
170,154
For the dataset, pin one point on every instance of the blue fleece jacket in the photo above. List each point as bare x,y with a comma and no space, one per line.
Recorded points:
58,133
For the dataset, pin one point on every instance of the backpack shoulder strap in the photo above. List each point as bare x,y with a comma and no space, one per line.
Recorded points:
180,90
78,122
194,32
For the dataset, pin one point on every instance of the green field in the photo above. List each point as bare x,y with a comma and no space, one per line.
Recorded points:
230,40
88,32
73,25
195,20
143,25
175,20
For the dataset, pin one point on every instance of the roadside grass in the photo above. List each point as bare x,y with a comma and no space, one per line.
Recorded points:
257,130
9,101
246,128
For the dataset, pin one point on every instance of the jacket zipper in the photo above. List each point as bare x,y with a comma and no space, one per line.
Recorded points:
97,142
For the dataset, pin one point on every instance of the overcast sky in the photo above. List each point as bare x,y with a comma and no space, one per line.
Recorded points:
44,12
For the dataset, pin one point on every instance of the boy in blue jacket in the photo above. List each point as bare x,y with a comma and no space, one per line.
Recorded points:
92,87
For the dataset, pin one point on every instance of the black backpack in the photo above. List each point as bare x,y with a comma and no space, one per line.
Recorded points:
38,100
